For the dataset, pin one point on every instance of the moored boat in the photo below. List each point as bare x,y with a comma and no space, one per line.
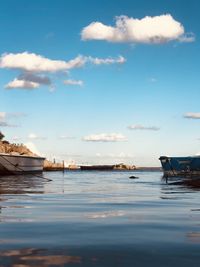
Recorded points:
16,164
180,166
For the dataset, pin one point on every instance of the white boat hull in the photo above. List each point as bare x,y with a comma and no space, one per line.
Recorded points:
16,164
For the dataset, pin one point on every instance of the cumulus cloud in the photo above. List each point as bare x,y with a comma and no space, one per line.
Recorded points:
28,80
100,61
141,127
105,137
30,62
149,30
31,77
22,84
192,115
35,136
73,82
33,67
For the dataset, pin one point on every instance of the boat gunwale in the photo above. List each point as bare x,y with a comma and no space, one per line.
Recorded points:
21,156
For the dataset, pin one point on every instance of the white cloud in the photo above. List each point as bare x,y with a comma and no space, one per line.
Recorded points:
192,115
35,136
73,82
4,116
31,77
157,29
141,127
28,80
187,38
9,115
31,62
99,61
104,137
22,84
32,148
33,67
98,31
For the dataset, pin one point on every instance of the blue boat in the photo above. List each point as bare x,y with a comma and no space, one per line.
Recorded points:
180,166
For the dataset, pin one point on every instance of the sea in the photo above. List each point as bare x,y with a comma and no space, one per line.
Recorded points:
99,218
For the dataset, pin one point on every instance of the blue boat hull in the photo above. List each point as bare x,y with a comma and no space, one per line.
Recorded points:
180,166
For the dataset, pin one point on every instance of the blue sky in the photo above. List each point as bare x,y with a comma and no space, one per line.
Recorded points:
133,96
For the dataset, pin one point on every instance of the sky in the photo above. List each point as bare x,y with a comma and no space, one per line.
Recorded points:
101,82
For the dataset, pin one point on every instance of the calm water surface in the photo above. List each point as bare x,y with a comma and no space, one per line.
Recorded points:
99,219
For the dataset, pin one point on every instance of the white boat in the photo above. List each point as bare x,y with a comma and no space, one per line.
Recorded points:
16,164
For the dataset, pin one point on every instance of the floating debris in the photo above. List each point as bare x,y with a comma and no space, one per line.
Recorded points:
133,177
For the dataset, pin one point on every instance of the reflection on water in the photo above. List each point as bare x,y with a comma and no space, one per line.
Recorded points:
184,182
99,219
21,184
36,257
175,187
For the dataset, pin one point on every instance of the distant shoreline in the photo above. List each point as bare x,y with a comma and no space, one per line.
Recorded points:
149,169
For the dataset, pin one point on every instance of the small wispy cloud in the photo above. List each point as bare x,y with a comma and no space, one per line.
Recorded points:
34,136
22,84
6,116
107,61
148,30
121,155
187,38
7,124
105,137
73,82
141,127
192,115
